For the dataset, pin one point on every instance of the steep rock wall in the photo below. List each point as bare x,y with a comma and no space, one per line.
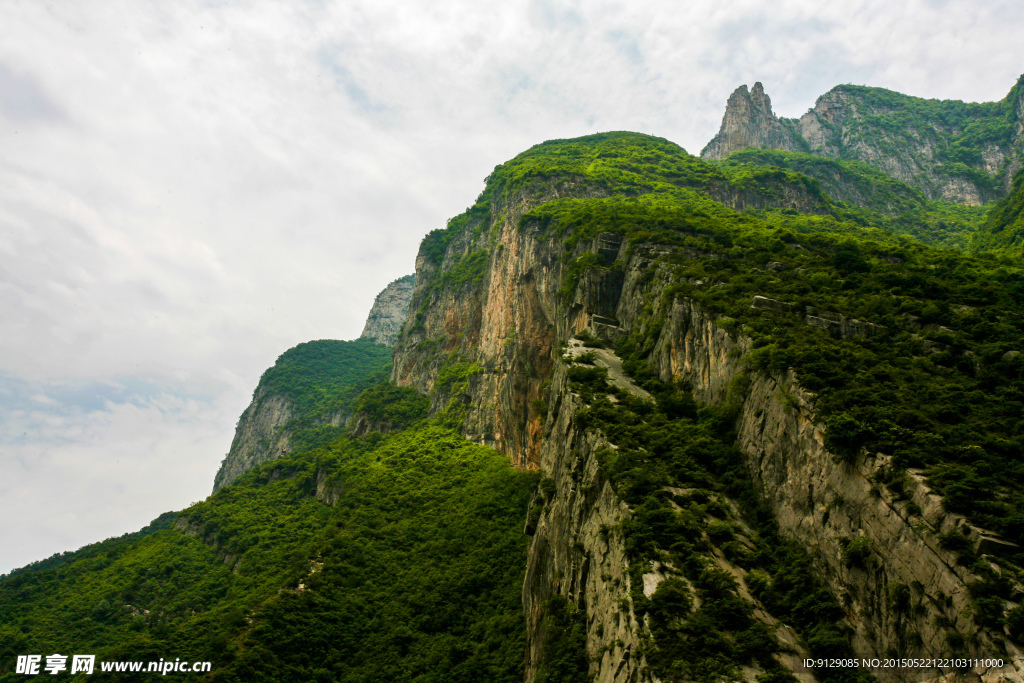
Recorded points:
844,124
507,320
750,122
506,324
261,436
390,309
577,552
825,504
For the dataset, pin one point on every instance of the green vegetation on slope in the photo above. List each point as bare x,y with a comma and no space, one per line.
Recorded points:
676,467
850,181
896,125
938,385
867,196
322,378
414,573
1003,230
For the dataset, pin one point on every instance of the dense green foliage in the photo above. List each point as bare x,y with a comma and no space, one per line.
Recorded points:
879,200
618,163
321,379
414,573
896,125
1004,224
852,181
936,386
564,633
675,466
392,407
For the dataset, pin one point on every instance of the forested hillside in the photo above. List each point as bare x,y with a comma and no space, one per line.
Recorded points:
381,558
652,418
303,401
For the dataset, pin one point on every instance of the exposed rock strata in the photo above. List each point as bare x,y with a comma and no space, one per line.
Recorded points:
825,504
750,122
508,324
390,309
262,433
844,124
574,554
259,437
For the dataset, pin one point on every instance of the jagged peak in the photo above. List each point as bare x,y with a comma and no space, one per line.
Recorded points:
749,122
755,99
758,96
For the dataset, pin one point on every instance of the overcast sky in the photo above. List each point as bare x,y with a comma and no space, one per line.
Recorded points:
187,189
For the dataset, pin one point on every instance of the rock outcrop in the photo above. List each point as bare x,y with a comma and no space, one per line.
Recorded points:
910,139
577,549
750,122
259,437
504,325
390,309
263,435
317,375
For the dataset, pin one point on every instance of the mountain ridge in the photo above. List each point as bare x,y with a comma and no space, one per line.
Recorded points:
725,417
962,152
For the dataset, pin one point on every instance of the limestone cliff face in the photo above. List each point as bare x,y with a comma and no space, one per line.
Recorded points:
750,122
826,504
920,149
262,435
390,309
506,322
274,423
574,554
507,318
259,437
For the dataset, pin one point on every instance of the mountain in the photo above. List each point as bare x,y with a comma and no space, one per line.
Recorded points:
390,309
651,417
820,375
1003,229
373,560
962,152
303,401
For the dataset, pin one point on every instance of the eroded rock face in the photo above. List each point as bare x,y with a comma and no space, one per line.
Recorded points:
390,309
841,125
825,504
261,436
504,323
507,324
258,438
578,552
750,122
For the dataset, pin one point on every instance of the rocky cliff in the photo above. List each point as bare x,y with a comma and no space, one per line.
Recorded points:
259,437
306,398
390,309
498,291
750,122
966,153
302,401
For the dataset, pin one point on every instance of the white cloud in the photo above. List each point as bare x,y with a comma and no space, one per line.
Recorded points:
189,188
85,462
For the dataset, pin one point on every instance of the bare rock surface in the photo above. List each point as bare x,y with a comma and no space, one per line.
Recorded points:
390,309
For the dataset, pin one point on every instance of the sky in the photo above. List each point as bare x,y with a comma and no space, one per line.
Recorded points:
188,189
